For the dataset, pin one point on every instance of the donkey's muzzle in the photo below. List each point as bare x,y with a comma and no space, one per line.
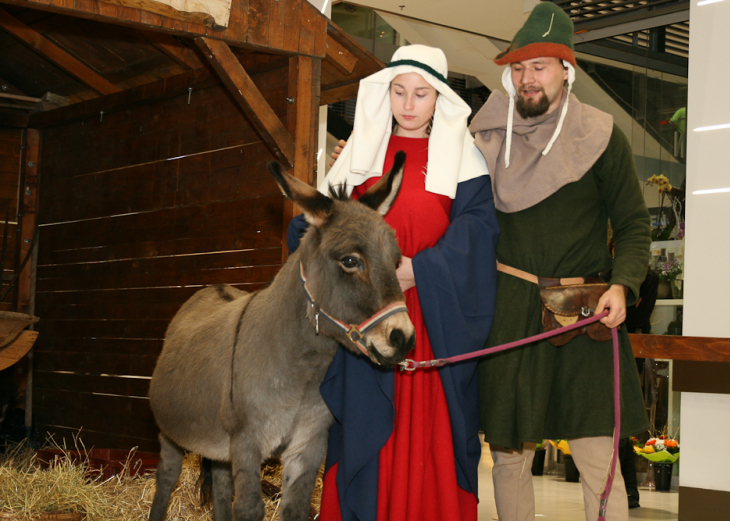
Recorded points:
402,343
391,342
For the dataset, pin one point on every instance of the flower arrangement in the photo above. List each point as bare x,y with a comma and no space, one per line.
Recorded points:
659,450
674,229
669,270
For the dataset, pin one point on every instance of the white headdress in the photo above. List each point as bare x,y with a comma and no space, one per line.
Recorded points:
452,156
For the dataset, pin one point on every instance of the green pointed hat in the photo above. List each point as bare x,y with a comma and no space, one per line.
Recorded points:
548,32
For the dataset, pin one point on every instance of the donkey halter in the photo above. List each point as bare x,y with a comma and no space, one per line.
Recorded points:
356,333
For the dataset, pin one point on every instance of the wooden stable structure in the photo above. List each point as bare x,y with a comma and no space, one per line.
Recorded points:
139,143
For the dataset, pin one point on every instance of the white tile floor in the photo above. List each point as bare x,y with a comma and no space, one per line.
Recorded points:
559,500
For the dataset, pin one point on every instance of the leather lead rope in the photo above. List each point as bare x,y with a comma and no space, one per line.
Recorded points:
411,365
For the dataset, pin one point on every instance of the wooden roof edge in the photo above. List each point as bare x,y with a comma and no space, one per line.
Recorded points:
335,32
148,21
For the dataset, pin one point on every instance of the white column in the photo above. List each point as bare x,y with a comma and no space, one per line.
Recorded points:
706,417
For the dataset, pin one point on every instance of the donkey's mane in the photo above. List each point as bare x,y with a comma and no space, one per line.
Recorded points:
339,192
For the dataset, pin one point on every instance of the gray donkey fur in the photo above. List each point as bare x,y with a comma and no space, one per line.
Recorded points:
238,378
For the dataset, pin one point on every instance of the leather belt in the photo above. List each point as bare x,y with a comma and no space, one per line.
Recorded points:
529,277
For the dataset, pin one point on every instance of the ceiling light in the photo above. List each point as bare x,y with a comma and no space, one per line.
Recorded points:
712,127
711,191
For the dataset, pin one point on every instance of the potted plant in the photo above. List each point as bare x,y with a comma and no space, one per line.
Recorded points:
663,451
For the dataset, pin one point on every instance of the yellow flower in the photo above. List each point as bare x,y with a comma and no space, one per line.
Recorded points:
561,445
661,181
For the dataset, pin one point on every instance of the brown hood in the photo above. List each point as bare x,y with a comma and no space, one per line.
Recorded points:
532,177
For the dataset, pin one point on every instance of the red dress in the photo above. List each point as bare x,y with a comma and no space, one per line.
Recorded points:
416,474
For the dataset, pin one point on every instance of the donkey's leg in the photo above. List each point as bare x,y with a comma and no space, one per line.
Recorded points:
302,461
222,491
246,468
168,471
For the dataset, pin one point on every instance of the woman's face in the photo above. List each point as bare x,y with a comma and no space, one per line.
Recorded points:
413,101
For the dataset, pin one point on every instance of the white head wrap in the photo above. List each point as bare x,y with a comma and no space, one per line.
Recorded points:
452,156
512,93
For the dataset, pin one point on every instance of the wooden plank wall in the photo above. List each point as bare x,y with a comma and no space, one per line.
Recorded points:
10,154
139,209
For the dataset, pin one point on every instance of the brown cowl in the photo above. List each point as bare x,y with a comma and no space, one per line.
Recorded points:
532,177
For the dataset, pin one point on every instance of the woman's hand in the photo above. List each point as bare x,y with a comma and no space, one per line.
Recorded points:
338,150
615,301
404,272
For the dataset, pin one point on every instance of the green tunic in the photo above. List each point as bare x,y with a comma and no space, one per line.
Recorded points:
539,391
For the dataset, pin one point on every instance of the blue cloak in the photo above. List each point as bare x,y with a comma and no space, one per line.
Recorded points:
456,284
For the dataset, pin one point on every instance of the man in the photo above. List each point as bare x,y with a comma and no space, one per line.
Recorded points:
560,171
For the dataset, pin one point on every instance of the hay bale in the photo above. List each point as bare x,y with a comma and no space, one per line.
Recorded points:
27,491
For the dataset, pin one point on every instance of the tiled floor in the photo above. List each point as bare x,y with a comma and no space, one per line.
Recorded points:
559,500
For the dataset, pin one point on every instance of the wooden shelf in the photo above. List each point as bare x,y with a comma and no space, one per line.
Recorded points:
669,302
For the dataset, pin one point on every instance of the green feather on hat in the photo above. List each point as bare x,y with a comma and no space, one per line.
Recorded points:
548,32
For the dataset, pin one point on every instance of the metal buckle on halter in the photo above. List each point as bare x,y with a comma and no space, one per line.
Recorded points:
405,365
586,311
352,331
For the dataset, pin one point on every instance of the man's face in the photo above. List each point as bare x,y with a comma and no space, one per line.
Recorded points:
539,83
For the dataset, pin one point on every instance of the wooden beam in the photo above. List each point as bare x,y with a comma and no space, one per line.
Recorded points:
372,63
249,98
175,49
303,124
303,114
15,107
8,88
28,206
55,54
236,34
339,93
13,119
343,60
700,349
19,97
158,90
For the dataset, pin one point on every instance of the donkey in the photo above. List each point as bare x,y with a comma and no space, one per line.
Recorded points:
238,377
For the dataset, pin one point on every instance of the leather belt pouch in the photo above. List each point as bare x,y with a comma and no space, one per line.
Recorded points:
565,305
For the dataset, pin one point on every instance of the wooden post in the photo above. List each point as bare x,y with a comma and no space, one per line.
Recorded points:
27,208
303,124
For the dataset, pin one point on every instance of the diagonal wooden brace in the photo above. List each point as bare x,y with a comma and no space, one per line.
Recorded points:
53,53
249,98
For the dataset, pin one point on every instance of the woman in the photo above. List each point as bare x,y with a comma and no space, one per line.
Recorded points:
404,445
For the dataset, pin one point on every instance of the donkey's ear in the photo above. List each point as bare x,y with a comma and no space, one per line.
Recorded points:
381,195
317,207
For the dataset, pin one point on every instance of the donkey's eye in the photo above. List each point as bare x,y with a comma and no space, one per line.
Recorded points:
350,262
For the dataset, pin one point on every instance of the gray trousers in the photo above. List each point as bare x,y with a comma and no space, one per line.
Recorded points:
512,477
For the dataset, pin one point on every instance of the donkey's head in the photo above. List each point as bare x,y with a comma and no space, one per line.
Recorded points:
348,258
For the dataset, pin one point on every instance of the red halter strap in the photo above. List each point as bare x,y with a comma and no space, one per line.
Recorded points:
356,333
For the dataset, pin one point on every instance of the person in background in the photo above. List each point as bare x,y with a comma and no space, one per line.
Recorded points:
638,320
404,445
560,171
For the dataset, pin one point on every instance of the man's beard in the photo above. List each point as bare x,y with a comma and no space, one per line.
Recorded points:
529,109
